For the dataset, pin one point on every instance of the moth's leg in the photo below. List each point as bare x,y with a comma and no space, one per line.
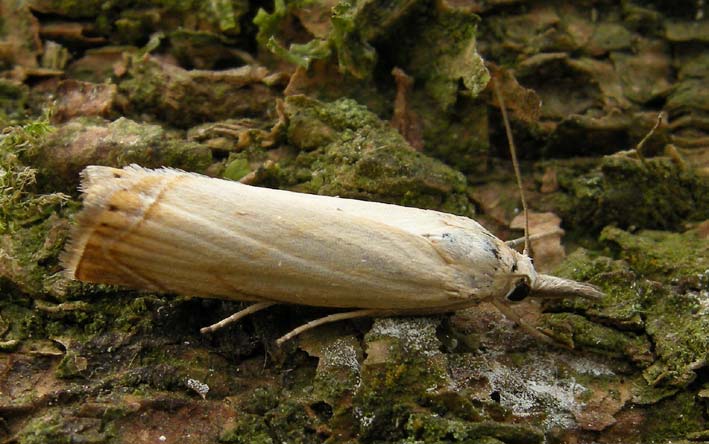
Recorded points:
520,240
514,317
236,316
331,318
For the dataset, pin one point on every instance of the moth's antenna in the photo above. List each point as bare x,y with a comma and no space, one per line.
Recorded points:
515,164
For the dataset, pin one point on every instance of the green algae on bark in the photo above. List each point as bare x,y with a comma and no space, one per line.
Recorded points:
428,429
660,255
443,54
114,19
575,330
347,151
438,49
405,380
655,193
247,429
19,205
29,262
57,426
13,98
31,233
403,363
676,313
85,141
187,97
346,28
672,314
625,297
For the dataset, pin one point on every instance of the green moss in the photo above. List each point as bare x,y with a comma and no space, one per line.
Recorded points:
237,168
577,331
403,366
427,429
444,55
348,151
86,141
268,23
626,296
660,255
439,42
184,98
13,98
672,315
630,193
42,430
31,255
458,135
355,25
673,419
21,320
261,400
189,156
272,413
72,365
268,36
226,14
646,394
436,46
678,324
290,422
57,427
354,53
247,429
19,205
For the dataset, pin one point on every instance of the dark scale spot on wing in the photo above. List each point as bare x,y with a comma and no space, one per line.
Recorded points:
493,250
496,252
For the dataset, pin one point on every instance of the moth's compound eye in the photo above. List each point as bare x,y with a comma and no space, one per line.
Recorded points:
520,291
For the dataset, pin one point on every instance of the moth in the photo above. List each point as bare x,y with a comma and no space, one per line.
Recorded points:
171,231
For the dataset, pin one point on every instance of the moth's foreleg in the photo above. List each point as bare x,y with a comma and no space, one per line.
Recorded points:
236,316
520,240
332,318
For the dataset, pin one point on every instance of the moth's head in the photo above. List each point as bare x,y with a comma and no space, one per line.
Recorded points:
520,279
524,281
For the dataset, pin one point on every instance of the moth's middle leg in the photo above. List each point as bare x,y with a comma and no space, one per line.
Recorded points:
363,313
370,312
236,316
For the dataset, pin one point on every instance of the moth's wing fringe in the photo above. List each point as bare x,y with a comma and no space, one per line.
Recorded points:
84,225
98,186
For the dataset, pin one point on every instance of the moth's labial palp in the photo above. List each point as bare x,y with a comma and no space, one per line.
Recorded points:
520,292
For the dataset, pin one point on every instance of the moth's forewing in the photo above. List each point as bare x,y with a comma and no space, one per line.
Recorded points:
179,232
